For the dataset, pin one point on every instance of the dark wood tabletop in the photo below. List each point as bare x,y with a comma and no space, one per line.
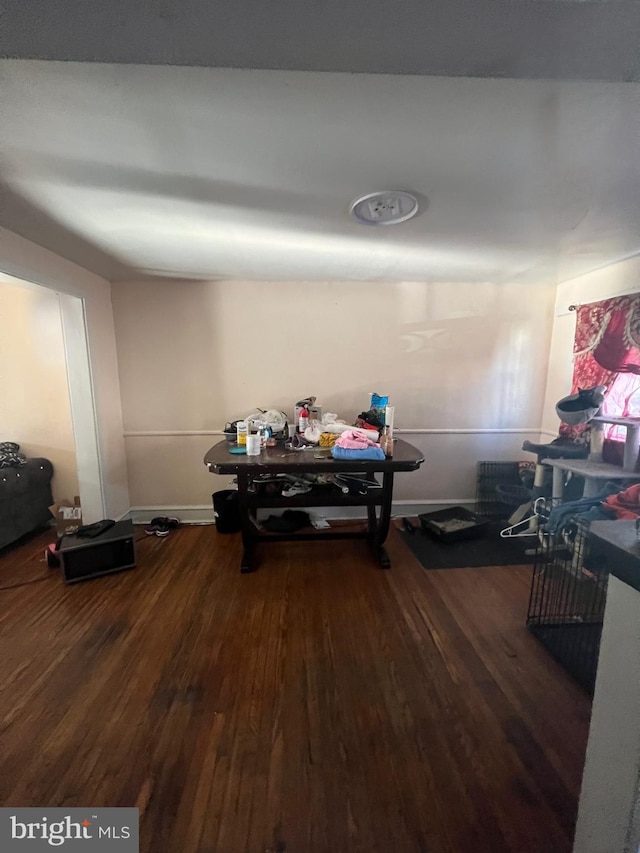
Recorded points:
318,460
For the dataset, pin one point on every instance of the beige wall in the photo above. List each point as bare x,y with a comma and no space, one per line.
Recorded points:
609,811
35,397
614,280
102,473
453,357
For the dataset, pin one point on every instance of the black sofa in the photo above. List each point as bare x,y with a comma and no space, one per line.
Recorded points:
25,498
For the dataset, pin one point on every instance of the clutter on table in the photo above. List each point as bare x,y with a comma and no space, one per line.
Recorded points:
370,435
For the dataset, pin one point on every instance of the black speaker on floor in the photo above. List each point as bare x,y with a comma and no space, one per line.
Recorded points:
111,551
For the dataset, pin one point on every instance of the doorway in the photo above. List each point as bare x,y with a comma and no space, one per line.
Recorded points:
47,376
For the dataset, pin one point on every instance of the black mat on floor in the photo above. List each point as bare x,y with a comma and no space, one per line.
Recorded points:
488,550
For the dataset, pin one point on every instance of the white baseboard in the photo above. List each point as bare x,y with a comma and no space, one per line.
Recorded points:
203,514
197,514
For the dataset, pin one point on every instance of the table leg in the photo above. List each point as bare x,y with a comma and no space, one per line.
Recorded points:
247,562
378,534
382,557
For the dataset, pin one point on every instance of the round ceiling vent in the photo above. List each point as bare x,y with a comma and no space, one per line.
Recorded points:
385,208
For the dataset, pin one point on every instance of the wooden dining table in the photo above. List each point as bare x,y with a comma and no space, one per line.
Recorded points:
283,460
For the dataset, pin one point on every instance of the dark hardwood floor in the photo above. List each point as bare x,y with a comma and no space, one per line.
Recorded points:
316,706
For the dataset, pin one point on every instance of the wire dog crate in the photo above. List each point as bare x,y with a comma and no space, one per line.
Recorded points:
566,604
490,475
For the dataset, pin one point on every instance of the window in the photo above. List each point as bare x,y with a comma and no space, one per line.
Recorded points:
622,399
606,351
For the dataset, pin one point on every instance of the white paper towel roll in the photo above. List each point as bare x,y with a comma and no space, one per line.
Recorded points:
389,414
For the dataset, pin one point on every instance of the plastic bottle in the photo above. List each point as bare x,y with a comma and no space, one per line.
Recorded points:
303,419
241,433
264,432
386,441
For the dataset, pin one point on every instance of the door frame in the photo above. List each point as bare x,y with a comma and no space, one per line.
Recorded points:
82,406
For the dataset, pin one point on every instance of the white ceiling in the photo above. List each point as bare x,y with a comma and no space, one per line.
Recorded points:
189,172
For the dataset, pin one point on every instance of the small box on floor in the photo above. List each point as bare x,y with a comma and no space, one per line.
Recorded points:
111,551
68,515
454,524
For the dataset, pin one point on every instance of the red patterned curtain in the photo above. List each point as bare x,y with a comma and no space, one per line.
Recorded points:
606,343
607,339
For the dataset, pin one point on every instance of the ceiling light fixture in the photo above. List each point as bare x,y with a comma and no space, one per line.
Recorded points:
389,207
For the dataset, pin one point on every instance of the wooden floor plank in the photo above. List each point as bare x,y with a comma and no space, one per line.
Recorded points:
318,705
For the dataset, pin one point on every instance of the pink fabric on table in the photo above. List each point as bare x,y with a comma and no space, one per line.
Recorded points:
352,440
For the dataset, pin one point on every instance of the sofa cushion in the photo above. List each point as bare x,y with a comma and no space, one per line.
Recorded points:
25,498
33,476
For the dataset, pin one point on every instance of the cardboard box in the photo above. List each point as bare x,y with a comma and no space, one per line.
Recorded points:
68,515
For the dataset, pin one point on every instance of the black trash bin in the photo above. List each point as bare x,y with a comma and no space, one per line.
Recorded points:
225,510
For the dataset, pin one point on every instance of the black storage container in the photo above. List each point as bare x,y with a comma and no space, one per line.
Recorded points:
111,551
225,510
454,524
